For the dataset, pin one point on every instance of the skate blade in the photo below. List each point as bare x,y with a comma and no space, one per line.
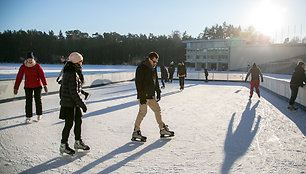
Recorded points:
166,136
67,154
81,151
138,140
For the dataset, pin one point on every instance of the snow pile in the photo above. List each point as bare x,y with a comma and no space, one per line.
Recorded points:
217,130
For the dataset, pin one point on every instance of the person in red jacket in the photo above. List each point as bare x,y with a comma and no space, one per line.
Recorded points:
34,78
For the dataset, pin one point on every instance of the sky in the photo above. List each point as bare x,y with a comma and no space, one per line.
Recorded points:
275,18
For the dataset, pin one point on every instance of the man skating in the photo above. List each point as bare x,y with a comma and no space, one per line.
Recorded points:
146,81
297,80
255,73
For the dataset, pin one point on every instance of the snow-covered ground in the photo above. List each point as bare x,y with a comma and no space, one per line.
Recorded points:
217,130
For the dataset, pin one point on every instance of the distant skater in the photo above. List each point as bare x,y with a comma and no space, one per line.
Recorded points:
146,81
298,79
255,73
171,70
182,74
34,78
206,74
164,75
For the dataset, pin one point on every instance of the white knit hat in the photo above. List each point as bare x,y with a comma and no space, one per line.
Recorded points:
75,57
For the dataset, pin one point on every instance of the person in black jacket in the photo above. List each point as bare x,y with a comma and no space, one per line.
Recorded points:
297,80
206,74
71,103
164,75
146,81
182,74
171,70
255,73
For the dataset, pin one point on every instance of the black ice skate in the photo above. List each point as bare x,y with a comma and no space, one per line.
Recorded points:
136,136
79,144
292,108
64,148
165,132
250,96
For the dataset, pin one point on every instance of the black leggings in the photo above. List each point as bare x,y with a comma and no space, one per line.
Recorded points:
73,114
29,101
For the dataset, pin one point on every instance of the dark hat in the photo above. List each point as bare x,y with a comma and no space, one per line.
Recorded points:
30,55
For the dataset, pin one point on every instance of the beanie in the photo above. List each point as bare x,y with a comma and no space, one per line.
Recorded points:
300,63
30,55
75,57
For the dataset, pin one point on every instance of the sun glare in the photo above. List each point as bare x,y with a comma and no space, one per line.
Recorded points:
267,17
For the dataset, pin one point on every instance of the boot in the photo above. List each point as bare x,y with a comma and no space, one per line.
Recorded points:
79,144
165,131
87,95
28,120
64,148
292,108
136,136
38,117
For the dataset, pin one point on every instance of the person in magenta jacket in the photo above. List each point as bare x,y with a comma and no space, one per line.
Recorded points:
34,78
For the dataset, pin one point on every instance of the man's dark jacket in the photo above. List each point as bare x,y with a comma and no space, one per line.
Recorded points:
298,76
146,81
70,91
255,73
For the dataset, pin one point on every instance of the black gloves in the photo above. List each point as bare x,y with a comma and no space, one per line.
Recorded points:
84,109
158,96
143,101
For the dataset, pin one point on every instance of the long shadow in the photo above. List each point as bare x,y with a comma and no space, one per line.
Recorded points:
128,147
157,144
110,99
298,118
52,164
21,116
237,143
125,90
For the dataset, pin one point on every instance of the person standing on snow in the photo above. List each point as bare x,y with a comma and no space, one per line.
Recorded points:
171,70
34,78
146,81
71,103
164,75
255,73
206,74
297,80
182,74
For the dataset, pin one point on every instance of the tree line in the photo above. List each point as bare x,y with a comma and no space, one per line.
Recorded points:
111,48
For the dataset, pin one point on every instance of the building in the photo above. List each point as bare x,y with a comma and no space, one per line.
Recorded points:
237,55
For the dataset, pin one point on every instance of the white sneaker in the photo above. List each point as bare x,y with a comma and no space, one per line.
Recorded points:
38,117
28,120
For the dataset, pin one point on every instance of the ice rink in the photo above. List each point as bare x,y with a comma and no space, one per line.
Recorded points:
217,130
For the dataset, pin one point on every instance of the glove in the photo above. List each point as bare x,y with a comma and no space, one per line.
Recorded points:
158,97
143,101
84,109
46,89
261,80
15,91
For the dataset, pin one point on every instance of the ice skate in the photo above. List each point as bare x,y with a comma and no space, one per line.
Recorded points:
136,136
79,144
250,96
64,148
38,117
165,132
292,108
28,120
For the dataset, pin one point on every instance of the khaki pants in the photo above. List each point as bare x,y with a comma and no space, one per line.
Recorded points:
152,103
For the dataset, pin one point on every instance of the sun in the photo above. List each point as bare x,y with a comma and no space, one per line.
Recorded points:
267,17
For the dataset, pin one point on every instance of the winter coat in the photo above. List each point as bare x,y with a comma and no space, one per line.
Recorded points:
206,72
146,81
70,90
181,71
34,75
255,73
164,72
298,76
171,69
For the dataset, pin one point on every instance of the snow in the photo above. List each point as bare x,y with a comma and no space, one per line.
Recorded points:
217,130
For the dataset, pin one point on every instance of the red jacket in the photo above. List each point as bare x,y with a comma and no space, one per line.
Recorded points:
33,76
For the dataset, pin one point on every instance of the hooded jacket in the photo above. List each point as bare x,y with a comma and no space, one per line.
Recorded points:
255,73
70,90
34,75
298,76
146,80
